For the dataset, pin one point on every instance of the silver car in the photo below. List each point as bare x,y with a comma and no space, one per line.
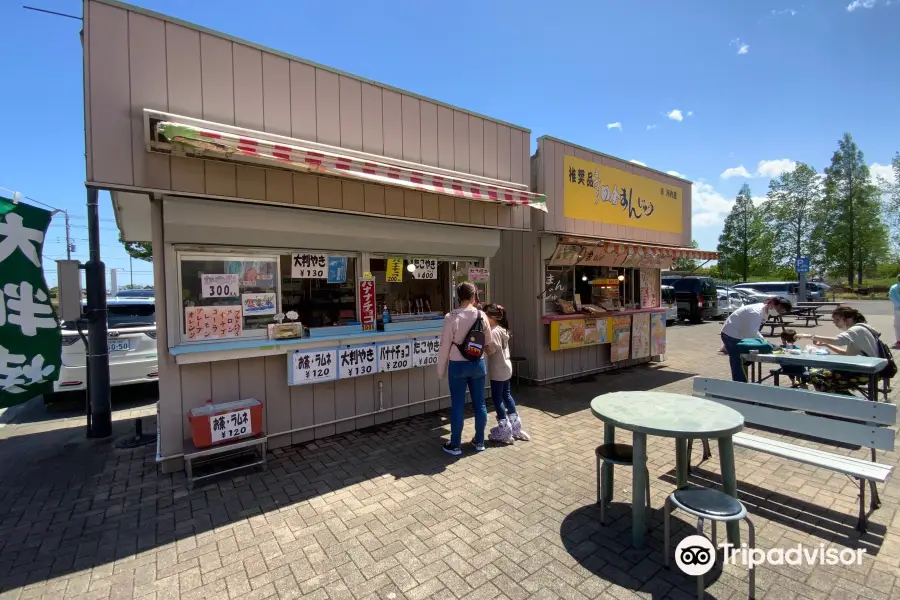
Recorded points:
729,301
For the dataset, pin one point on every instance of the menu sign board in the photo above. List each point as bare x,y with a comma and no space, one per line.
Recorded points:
219,285
394,356
394,270
479,274
312,366
367,304
305,265
620,338
357,361
426,268
230,426
576,333
640,335
212,322
425,351
658,334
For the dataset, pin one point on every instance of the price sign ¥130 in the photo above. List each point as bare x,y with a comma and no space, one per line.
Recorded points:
357,361
305,265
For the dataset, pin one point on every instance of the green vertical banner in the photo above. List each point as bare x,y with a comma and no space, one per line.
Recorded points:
30,337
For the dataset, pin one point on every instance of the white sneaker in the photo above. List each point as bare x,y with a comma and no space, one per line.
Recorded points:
517,431
502,433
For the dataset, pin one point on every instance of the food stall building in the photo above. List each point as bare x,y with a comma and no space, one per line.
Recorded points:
308,226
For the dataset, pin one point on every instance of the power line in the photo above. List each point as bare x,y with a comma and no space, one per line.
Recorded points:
52,12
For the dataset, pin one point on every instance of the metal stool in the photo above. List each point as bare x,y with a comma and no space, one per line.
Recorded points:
517,370
616,455
714,505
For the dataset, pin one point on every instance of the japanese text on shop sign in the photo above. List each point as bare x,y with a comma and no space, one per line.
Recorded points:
426,268
367,304
394,356
30,338
425,351
212,322
478,274
622,197
357,361
313,366
394,270
230,425
309,266
219,285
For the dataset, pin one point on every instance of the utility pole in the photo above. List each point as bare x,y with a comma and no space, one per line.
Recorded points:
131,270
68,237
99,401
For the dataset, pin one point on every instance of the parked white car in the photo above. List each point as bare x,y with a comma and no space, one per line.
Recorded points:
729,301
751,295
671,304
131,344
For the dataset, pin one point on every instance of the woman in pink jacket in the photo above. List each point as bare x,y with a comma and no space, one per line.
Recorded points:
464,372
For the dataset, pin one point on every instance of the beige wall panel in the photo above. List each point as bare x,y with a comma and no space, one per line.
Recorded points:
276,73
392,123
278,400
374,197
400,397
147,55
393,201
445,138
187,175
344,404
416,390
279,186
446,206
248,87
461,209
413,204
109,95
365,400
328,116
412,135
476,145
351,113
354,196
306,189
252,381
225,378
303,101
196,389
372,119
221,178
330,194
429,132
504,148
460,141
302,402
430,207
323,408
251,182
490,149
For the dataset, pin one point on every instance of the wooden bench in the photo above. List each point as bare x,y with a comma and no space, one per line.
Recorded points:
830,417
774,322
807,314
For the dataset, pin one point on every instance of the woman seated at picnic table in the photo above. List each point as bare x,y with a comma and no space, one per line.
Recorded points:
856,339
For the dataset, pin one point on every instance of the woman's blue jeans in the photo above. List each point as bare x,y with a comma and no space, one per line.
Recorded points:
734,358
462,375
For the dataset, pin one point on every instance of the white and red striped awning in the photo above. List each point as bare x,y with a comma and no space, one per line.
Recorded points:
231,146
572,251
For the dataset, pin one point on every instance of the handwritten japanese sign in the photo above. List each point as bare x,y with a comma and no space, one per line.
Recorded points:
337,269
594,192
312,366
425,351
478,274
658,334
357,361
640,335
309,266
394,356
367,304
212,322
394,270
621,338
258,304
230,426
30,338
219,285
426,268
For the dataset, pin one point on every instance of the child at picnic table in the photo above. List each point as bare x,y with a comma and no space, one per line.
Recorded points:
793,372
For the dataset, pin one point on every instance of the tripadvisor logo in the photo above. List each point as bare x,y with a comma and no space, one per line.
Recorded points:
695,555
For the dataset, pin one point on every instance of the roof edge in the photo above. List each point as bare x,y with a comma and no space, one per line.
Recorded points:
586,149
235,39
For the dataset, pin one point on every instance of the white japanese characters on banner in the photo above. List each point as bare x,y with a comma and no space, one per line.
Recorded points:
425,351
305,265
312,366
357,361
230,426
394,356
426,268
223,285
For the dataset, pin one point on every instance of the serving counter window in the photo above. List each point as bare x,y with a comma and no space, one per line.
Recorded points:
599,289
320,288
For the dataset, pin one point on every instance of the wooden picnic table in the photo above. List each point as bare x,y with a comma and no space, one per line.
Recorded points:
865,365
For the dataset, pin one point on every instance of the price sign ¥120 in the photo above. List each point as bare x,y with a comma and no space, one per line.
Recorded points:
312,366
230,426
394,356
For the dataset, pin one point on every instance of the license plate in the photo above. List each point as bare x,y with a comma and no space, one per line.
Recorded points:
117,346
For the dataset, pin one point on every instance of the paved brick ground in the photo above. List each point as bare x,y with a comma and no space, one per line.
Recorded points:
384,514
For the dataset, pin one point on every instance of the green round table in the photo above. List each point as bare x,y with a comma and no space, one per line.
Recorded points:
667,415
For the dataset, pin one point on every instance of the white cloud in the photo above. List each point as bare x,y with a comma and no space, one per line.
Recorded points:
675,115
786,11
677,174
615,125
708,206
757,200
690,113
860,4
774,168
649,127
742,47
738,171
637,162
884,171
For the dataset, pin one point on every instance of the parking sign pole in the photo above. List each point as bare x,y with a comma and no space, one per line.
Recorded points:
97,350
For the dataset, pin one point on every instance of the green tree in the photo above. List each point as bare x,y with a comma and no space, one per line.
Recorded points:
745,244
890,188
850,231
793,197
138,250
686,264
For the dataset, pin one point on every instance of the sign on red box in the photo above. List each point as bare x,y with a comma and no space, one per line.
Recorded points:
367,304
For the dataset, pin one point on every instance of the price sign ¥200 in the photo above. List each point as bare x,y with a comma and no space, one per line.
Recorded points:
394,356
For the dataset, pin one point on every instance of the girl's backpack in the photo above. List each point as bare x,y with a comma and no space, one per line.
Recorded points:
472,347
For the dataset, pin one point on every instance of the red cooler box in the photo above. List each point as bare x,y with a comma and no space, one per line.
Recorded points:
214,424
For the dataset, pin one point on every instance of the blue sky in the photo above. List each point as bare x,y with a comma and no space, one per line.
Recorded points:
755,85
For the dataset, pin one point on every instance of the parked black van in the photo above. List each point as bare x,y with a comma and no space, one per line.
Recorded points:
696,296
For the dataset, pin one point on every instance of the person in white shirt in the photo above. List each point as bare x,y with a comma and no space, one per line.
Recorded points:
745,323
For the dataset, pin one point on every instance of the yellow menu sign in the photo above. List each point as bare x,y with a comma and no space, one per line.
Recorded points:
594,192
575,333
394,270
